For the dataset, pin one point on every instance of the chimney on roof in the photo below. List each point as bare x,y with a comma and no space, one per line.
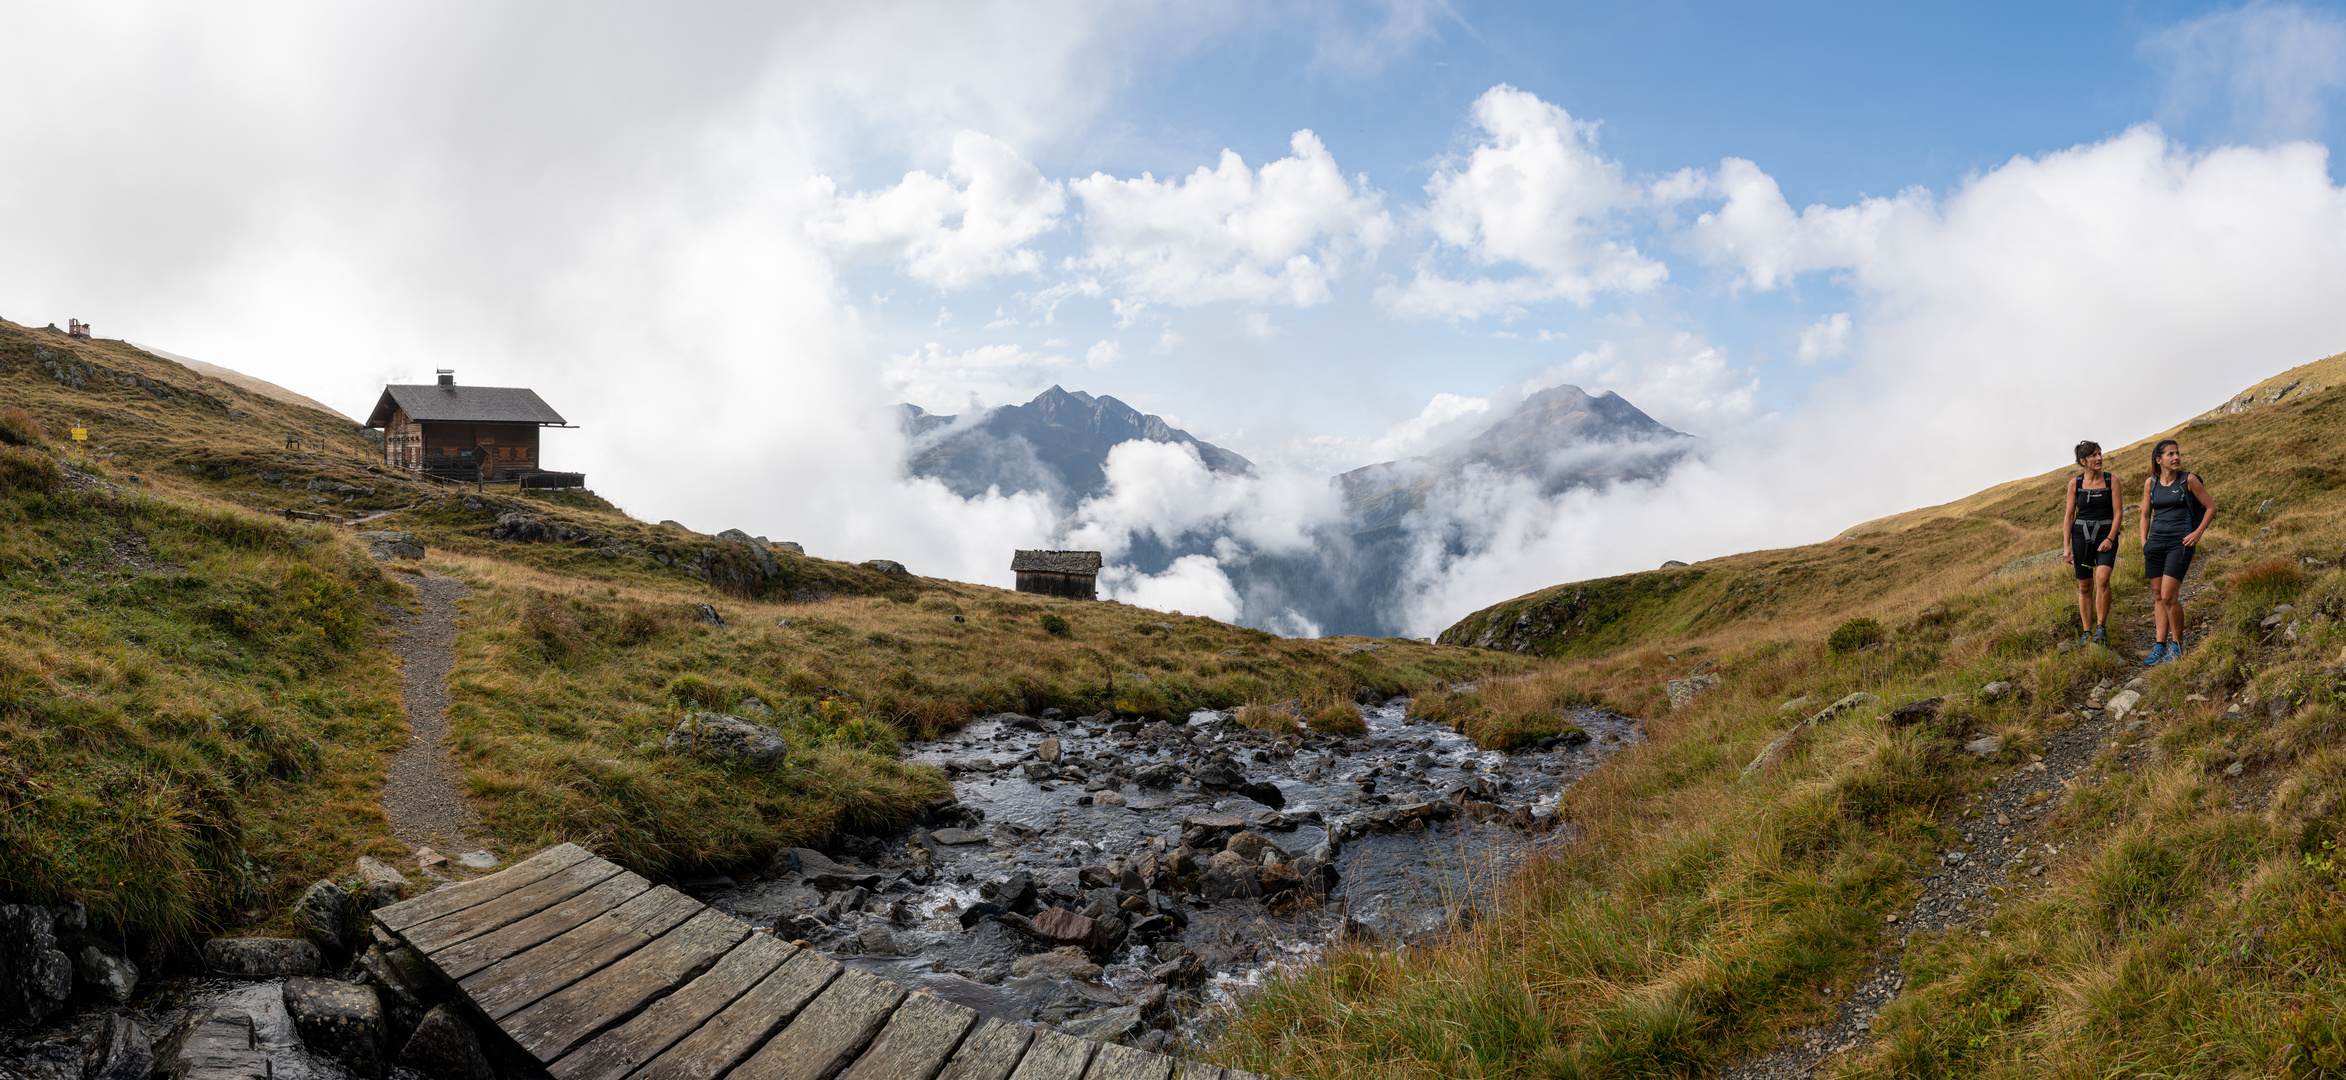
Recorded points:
447,376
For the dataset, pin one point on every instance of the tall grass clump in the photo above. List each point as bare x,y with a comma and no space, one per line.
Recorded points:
1855,634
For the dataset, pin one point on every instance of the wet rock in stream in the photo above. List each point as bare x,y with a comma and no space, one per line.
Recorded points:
1120,879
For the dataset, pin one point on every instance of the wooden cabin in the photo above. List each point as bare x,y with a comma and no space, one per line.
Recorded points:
1072,575
467,433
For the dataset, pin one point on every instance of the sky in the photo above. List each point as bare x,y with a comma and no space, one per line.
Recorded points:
1873,256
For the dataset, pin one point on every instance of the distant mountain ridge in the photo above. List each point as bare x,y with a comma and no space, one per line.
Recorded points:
1057,443
1563,437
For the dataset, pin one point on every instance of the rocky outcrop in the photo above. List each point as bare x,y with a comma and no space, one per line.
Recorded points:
390,544
445,1048
1782,744
722,738
1683,691
105,974
247,1033
36,977
515,527
340,1020
121,1051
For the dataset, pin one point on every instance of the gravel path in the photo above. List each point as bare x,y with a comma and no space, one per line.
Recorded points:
1990,851
424,794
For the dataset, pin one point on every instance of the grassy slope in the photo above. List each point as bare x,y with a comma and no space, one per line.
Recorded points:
196,700
2189,927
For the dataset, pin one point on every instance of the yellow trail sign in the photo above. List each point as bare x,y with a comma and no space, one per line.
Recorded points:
81,434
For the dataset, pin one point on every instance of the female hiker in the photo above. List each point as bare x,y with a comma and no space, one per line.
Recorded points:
2089,539
2175,514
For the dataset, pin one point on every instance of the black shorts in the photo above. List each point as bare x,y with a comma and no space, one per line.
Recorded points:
2166,558
2085,544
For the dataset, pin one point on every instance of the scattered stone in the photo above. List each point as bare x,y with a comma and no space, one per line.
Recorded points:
1163,774
445,1048
36,977
380,884
1914,713
979,912
1985,745
262,957
340,1020
1683,691
721,738
2123,702
1107,798
890,567
1995,692
429,859
710,614
387,544
247,1033
1782,744
1049,750
113,977
2234,769
957,836
122,1051
1263,792
477,860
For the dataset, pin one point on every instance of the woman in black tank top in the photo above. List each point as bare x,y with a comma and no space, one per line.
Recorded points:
2089,539
2176,509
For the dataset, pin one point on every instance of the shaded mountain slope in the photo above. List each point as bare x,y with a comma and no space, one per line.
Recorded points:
1056,443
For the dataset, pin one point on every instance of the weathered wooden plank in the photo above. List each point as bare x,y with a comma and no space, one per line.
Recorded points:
457,897
517,982
1113,1062
989,1053
1198,1070
437,934
612,1054
1054,1057
829,1033
572,1015
924,1031
466,957
744,1025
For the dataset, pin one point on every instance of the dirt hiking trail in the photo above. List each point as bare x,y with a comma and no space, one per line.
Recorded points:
423,793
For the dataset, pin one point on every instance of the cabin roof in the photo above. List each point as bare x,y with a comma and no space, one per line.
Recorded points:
1055,562
464,405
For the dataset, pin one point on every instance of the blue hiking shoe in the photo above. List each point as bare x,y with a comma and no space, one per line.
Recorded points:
2174,652
2158,654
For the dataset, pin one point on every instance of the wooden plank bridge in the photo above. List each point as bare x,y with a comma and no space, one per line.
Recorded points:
601,975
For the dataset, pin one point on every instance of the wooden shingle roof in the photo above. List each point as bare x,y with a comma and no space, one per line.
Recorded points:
1056,562
465,405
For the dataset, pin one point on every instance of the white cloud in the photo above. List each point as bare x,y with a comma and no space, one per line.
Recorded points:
1757,232
995,374
1446,418
2272,67
1257,324
1102,354
1824,339
1535,194
1278,235
1679,379
951,231
1192,585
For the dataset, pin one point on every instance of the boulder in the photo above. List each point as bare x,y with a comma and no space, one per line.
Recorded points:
820,871
721,738
36,977
1107,798
1228,877
325,918
1163,774
957,836
445,1048
340,1020
1049,750
890,567
1782,744
1218,772
1914,712
1995,692
767,564
1249,845
1265,793
111,976
1683,691
1066,961
245,1033
380,884
515,527
390,544
121,1052
1106,1025
1986,745
262,957
1066,927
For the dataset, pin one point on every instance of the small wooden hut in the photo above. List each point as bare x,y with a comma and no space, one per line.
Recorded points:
1073,575
468,433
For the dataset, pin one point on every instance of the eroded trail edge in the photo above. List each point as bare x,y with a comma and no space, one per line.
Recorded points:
423,793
